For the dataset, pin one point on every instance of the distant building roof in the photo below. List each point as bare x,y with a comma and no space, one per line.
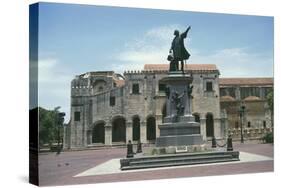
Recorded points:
246,81
252,98
227,98
194,67
96,73
119,83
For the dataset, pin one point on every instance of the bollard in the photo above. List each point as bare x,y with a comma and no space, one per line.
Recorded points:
229,143
214,143
130,152
139,148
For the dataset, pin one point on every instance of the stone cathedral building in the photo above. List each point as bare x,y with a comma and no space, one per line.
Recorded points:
110,109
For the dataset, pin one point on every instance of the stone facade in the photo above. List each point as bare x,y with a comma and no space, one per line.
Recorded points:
251,93
111,109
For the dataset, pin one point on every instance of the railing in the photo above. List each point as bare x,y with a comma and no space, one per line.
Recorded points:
249,133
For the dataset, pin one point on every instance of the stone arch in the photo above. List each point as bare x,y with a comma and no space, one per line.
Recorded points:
99,85
98,132
197,117
150,128
209,125
136,127
98,81
97,122
118,129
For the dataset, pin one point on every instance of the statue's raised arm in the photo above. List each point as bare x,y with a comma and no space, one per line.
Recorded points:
184,34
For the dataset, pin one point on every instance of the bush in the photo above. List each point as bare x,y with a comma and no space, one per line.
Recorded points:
268,138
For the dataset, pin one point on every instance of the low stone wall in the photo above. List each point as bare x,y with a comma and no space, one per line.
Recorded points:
249,133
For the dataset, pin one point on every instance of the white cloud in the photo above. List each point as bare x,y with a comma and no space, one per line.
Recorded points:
238,62
54,85
49,71
152,47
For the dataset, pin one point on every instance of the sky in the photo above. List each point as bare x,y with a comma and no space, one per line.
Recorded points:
74,39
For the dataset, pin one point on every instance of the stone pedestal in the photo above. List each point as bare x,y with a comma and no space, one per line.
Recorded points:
179,127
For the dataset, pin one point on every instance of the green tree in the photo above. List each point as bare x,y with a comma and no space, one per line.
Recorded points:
270,101
48,126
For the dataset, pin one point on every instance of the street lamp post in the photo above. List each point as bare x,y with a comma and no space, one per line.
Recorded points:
241,114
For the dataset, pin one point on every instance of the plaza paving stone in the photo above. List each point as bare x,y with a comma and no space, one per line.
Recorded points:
62,169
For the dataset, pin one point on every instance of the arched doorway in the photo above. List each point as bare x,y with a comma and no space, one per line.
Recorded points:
209,125
119,130
151,128
136,128
98,133
197,117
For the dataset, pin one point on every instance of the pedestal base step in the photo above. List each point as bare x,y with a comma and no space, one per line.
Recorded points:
178,159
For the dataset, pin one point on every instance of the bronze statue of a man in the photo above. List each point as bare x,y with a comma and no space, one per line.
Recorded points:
177,99
178,51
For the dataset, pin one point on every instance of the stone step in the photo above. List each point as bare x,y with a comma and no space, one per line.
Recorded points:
179,155
178,159
178,164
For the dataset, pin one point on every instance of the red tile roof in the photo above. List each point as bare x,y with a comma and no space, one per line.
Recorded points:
227,98
119,83
195,67
246,81
252,98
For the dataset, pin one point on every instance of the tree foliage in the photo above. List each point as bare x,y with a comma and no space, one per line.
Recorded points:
48,126
268,138
270,101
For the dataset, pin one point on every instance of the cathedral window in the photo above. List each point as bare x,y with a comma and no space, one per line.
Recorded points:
264,124
136,89
209,86
162,87
112,101
76,116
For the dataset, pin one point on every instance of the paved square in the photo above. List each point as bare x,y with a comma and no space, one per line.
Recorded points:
98,166
113,166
